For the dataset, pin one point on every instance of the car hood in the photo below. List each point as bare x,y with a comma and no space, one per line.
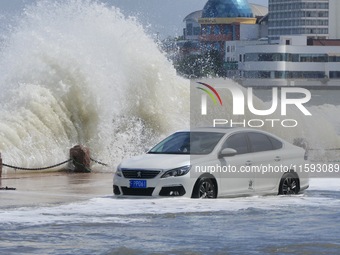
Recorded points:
156,161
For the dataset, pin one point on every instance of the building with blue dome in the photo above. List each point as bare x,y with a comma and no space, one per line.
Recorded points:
227,9
223,13
224,20
221,20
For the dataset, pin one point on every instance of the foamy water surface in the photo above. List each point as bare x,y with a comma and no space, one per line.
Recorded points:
254,225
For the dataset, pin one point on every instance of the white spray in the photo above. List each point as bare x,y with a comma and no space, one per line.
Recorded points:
78,72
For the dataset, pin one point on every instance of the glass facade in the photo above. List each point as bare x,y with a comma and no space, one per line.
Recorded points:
216,29
191,30
334,74
227,9
283,75
288,57
298,17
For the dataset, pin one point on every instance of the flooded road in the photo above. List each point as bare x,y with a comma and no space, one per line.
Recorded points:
52,188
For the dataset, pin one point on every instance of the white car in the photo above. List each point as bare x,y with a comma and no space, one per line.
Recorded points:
214,162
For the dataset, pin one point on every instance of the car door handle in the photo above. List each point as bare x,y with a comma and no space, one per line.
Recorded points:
277,159
249,163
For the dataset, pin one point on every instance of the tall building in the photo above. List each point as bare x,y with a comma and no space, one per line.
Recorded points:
304,17
301,62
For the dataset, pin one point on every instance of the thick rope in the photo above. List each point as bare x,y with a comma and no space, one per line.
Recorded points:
98,162
37,169
49,167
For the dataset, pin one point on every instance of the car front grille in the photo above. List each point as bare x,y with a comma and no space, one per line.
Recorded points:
137,192
139,173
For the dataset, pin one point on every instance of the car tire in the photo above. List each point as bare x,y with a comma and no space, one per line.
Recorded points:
205,188
289,184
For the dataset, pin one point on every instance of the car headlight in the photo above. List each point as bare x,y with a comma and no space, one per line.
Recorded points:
176,172
119,172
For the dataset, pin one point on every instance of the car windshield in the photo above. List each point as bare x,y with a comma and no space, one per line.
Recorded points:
195,143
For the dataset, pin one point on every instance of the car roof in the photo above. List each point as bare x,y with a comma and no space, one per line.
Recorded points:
227,130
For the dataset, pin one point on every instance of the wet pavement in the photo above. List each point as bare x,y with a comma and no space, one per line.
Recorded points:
52,188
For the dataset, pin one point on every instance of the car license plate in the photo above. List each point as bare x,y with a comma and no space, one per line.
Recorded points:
138,184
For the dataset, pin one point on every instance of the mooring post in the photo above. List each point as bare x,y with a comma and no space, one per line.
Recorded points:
81,159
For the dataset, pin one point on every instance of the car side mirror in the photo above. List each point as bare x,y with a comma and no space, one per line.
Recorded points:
227,152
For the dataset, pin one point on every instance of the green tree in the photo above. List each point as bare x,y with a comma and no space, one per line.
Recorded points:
210,63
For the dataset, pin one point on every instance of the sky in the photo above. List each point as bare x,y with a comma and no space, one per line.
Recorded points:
162,17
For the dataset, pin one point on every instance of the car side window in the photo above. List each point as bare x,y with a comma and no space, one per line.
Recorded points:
177,143
259,142
276,143
237,142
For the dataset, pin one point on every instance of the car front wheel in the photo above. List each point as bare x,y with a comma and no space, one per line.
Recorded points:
289,184
205,188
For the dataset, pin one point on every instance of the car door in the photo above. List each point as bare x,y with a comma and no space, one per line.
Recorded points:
265,160
234,180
